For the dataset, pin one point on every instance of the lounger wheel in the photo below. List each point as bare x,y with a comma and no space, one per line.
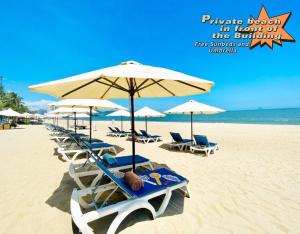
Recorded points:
75,229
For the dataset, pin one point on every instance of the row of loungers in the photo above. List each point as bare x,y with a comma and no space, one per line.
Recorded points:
71,145
199,143
109,180
143,137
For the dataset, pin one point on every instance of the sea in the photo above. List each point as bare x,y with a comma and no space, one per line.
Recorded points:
287,116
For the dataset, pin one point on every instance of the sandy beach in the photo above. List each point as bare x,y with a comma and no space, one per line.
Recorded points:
251,185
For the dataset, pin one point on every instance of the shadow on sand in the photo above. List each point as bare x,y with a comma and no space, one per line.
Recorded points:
60,199
175,149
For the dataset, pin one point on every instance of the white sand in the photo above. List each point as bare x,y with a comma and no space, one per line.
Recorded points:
251,185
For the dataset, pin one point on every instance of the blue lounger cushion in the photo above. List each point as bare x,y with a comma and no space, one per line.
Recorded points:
99,145
78,134
127,160
178,139
146,134
150,188
202,140
87,141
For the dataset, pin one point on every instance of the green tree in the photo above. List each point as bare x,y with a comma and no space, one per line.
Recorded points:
12,100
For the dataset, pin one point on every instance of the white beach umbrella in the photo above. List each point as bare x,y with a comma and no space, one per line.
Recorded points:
193,107
79,116
56,116
92,104
27,115
9,113
127,79
121,113
71,111
38,116
96,104
147,112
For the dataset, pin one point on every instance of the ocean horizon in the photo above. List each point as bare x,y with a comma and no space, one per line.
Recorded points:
285,116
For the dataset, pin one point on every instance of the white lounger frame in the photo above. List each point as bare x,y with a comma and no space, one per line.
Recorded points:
206,149
117,134
145,139
66,153
123,208
181,146
97,172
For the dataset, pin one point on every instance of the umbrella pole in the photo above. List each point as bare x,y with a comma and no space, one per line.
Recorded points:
191,127
75,123
90,124
132,129
121,123
146,124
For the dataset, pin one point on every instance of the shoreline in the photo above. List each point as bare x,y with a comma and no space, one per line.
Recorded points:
183,122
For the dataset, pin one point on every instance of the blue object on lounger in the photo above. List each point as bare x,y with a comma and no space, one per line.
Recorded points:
203,141
109,159
151,188
177,138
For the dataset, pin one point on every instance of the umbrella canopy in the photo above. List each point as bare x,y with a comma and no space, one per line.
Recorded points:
118,81
121,113
71,111
91,103
53,115
26,115
147,112
94,103
193,107
78,116
39,116
10,113
127,79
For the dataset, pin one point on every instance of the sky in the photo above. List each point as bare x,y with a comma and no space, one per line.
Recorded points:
42,41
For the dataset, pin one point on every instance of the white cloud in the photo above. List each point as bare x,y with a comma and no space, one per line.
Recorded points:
36,105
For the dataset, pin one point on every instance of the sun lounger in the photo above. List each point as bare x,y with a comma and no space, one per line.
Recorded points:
148,138
137,136
132,201
178,141
81,127
71,136
81,170
70,155
202,144
112,132
72,143
56,131
121,132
